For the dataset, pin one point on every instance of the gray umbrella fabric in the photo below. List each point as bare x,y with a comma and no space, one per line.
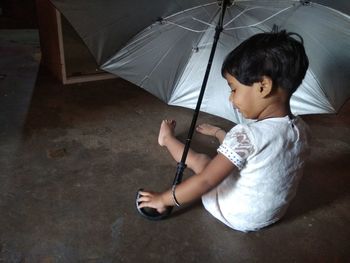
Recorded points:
163,46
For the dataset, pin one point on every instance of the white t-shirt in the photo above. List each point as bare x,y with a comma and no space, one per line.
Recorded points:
269,155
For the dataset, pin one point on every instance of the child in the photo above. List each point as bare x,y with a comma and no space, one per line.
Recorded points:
251,181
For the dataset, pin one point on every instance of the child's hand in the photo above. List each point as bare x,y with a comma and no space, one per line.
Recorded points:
153,200
207,129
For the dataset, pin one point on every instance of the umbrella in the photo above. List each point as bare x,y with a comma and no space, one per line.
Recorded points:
168,58
163,46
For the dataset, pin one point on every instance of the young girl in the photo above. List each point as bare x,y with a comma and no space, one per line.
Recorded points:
253,178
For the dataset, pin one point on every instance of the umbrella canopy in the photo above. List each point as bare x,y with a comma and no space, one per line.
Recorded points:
163,46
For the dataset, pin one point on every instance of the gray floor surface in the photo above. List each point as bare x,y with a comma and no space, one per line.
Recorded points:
72,158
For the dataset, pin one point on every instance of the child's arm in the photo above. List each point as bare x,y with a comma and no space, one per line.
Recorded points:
220,135
192,188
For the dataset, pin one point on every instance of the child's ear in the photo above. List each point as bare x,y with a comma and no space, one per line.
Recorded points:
265,88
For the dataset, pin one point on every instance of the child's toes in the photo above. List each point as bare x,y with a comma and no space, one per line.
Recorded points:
171,123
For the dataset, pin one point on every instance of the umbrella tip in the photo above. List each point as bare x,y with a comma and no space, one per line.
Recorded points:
305,2
160,20
229,2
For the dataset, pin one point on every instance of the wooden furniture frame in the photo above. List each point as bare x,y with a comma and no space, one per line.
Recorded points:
52,46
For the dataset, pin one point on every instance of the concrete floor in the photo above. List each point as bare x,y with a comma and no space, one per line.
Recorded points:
72,158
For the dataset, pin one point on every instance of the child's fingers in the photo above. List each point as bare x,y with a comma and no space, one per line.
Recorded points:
145,196
207,129
144,199
151,205
144,193
203,128
204,125
199,127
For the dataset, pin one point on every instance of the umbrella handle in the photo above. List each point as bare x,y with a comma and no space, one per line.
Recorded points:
151,213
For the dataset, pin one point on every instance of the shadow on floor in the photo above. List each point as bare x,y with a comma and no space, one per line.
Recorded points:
325,181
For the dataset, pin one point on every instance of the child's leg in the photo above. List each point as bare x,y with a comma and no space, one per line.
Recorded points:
195,161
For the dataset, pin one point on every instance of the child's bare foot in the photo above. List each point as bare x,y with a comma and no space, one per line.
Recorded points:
167,129
207,129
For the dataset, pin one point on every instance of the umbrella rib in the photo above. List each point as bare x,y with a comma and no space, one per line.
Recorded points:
241,13
186,28
155,67
203,22
189,9
166,19
258,23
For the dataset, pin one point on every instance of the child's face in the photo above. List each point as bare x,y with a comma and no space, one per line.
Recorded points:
245,98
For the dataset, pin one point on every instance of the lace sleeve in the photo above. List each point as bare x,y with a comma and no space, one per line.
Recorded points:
237,146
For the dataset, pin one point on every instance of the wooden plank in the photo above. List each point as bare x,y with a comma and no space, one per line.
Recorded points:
88,78
49,38
52,45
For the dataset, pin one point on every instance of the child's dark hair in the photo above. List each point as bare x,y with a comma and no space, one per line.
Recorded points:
276,55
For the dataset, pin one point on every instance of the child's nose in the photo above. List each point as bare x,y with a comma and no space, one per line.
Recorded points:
232,102
231,98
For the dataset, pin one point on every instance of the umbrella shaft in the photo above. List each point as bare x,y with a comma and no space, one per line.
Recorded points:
200,98
181,165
